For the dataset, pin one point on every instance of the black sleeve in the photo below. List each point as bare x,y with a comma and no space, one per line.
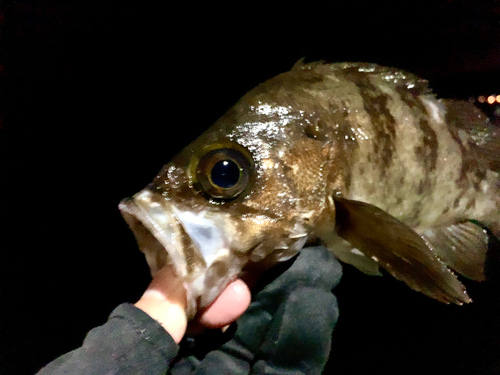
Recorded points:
130,342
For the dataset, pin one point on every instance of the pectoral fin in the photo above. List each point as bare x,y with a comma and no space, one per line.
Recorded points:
397,248
344,252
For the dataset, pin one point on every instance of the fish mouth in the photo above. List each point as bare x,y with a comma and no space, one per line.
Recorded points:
194,243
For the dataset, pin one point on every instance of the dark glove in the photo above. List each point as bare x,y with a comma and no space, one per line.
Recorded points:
286,330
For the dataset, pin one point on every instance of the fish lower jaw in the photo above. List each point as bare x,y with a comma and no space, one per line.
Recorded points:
192,243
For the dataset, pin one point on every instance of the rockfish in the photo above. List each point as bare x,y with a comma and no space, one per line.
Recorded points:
361,158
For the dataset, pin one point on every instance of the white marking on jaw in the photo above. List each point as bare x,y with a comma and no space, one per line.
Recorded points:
204,233
298,231
298,244
195,288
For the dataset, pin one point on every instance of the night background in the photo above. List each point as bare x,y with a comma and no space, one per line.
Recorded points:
97,95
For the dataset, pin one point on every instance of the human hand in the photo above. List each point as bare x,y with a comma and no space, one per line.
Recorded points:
286,329
165,301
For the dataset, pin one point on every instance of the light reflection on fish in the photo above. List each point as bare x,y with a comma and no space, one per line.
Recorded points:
360,157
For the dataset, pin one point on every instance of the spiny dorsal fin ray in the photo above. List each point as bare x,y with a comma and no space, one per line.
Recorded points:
462,247
401,251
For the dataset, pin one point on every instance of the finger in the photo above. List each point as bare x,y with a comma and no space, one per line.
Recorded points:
168,285
228,307
165,301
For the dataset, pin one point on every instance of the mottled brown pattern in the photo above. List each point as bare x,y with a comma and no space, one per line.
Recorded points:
351,131
426,148
375,103
471,170
430,145
305,164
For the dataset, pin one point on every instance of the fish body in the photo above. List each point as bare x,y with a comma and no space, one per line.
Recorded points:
361,157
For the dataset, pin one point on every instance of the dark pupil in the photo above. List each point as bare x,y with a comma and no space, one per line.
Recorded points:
225,174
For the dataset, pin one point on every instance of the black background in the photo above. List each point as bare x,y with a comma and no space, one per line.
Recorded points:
97,95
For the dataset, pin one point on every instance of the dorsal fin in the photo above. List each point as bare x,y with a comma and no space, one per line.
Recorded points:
397,248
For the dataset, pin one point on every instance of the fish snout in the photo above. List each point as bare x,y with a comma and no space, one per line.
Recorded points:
194,243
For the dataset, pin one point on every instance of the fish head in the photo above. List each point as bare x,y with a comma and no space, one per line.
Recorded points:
248,190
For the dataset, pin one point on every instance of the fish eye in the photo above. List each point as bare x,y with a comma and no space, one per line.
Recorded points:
223,173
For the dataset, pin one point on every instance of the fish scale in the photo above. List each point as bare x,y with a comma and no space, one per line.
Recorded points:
359,157
432,159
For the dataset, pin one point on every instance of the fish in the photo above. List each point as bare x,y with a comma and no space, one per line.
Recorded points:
361,158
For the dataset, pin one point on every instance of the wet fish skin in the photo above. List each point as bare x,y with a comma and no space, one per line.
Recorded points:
316,147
